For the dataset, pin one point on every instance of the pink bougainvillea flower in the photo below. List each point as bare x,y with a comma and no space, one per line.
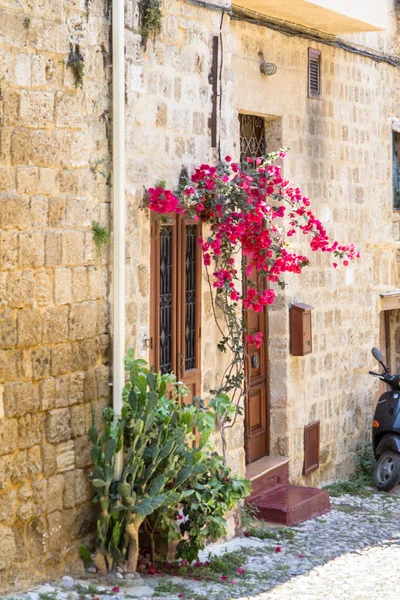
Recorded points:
232,582
301,556
242,210
116,589
240,571
223,578
181,595
255,339
278,549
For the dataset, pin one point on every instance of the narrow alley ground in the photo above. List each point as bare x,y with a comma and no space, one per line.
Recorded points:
352,553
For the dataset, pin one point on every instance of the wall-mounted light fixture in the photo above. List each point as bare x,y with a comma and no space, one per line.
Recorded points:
267,68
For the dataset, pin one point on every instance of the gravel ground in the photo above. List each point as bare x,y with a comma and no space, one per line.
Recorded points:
352,553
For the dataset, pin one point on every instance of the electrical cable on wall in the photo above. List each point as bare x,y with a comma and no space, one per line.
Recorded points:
220,83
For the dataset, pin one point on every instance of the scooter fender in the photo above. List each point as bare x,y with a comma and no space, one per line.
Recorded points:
389,442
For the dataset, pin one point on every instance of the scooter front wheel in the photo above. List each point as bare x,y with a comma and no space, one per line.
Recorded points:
387,471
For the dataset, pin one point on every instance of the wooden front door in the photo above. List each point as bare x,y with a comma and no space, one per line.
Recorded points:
257,399
175,301
253,144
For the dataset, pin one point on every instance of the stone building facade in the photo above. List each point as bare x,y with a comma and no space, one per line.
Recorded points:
56,177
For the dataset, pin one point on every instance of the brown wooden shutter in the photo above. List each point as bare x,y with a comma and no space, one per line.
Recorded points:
176,263
396,170
314,73
311,448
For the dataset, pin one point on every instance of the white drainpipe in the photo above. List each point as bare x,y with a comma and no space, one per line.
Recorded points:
118,26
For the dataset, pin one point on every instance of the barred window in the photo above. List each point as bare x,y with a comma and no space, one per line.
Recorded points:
252,137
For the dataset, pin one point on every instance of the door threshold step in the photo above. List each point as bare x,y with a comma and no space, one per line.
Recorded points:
264,465
290,504
267,474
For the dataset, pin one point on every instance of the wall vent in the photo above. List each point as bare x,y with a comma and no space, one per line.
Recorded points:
314,73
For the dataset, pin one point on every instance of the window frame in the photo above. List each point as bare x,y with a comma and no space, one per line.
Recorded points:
262,142
178,310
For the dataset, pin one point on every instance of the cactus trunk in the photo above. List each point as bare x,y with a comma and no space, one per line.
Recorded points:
132,529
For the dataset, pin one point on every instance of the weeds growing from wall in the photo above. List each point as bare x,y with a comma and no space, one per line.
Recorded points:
361,479
76,63
101,237
150,19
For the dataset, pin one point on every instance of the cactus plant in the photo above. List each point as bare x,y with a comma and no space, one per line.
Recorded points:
155,435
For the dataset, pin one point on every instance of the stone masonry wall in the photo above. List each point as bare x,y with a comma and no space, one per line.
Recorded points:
340,154
168,108
341,157
55,178
54,169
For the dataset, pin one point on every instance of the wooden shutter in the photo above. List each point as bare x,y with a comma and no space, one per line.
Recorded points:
164,275
396,169
176,300
311,448
314,73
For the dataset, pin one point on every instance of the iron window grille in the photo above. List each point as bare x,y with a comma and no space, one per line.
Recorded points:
252,137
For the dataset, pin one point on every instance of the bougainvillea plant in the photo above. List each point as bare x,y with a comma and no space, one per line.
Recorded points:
251,211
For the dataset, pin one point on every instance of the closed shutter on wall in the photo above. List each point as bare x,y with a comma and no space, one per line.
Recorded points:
396,170
314,73
311,448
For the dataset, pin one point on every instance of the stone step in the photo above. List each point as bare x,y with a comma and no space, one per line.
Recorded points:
267,474
290,504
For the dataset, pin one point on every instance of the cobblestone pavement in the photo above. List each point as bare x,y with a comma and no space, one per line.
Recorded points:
352,553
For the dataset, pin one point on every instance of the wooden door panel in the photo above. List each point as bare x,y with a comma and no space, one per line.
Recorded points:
256,405
252,144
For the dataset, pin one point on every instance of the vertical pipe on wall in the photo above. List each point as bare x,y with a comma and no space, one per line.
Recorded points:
118,63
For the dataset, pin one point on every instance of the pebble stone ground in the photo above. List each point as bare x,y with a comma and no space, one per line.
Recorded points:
352,553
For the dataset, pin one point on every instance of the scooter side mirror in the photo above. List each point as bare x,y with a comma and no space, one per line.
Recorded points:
377,354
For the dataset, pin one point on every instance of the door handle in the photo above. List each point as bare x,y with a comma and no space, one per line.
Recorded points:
255,361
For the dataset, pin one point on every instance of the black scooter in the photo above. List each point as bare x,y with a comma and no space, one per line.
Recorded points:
386,430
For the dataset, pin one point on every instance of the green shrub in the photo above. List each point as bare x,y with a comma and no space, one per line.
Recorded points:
162,469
